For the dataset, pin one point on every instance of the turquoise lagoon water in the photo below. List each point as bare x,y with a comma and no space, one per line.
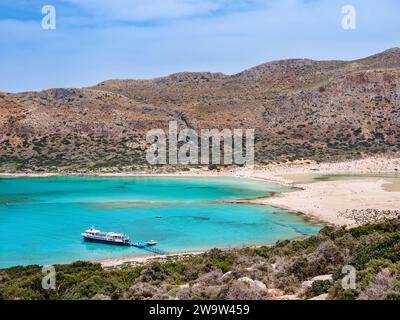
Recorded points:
41,219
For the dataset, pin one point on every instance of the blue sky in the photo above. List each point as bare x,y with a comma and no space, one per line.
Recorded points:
96,40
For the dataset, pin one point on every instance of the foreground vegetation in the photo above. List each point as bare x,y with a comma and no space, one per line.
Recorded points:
282,271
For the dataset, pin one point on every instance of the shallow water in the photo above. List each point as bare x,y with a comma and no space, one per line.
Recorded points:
392,179
41,219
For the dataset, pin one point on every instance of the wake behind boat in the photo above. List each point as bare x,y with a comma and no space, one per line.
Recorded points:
93,235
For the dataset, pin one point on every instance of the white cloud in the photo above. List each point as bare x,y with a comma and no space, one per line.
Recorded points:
84,53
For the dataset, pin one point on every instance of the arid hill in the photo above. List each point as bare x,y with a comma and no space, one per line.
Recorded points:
300,109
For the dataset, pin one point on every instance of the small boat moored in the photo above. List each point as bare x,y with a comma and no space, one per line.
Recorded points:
151,243
93,235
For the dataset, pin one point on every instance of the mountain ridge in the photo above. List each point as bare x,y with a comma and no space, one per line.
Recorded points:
300,109
391,51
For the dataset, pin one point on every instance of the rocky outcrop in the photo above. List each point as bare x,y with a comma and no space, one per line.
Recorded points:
308,284
370,215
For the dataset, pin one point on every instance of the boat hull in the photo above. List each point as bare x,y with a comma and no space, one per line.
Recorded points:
104,241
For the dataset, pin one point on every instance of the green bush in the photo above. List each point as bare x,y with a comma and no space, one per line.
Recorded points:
318,288
388,247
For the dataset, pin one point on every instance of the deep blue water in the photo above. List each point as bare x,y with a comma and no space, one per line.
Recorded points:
41,219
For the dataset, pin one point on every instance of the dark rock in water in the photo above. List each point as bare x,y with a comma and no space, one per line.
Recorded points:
198,188
201,218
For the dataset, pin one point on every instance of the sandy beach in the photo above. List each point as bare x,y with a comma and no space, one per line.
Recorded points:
335,201
345,201
131,260
332,202
349,200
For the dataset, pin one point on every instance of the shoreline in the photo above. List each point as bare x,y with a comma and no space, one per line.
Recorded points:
346,201
320,202
341,202
145,258
368,165
140,259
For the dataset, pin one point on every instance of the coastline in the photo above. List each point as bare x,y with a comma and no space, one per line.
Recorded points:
140,259
324,201
145,258
272,172
349,201
337,202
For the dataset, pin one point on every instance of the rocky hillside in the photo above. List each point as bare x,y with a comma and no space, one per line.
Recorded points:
301,109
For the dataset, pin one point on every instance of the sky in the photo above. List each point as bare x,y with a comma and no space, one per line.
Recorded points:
97,40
